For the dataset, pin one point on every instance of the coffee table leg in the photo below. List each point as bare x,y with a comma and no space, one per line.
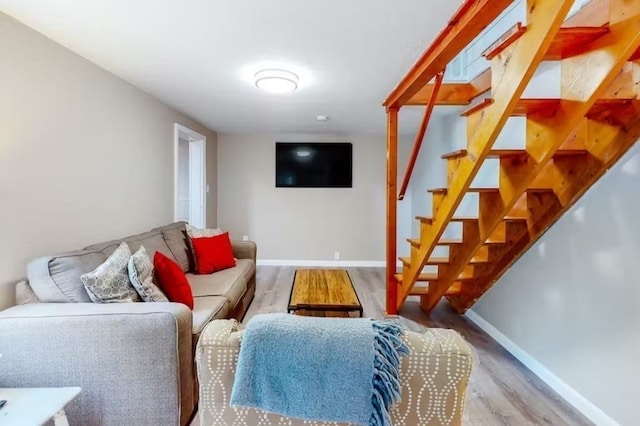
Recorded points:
60,419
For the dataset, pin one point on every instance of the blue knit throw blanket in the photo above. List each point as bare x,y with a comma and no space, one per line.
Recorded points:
322,369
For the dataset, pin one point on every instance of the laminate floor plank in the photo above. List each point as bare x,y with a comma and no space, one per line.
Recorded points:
501,390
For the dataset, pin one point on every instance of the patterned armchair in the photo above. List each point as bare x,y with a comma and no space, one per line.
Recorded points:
434,380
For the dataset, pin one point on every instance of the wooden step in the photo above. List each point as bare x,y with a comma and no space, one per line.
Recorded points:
450,242
446,242
433,277
414,242
460,242
504,153
421,278
477,107
454,290
437,190
437,261
528,106
469,219
568,42
453,219
489,189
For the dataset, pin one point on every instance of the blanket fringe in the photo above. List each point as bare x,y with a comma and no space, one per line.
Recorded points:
389,346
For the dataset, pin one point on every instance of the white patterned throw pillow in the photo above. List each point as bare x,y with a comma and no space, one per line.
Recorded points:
141,276
109,283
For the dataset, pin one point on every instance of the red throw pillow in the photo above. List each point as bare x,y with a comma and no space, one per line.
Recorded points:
172,281
213,253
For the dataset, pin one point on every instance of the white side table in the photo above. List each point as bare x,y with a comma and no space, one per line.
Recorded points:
35,406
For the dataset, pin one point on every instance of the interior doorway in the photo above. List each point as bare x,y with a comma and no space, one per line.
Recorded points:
190,176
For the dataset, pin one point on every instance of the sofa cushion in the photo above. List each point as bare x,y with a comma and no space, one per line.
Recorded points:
175,235
172,280
141,275
57,278
109,283
213,254
230,283
153,241
206,309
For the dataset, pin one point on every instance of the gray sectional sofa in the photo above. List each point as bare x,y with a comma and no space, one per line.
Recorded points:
133,361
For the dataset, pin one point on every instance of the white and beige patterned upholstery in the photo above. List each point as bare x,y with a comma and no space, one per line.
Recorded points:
434,380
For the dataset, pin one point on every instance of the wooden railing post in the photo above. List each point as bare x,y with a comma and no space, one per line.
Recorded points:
392,210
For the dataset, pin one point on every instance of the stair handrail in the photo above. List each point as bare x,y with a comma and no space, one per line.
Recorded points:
421,133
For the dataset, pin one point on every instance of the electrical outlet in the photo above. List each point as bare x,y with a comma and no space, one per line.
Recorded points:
245,238
336,255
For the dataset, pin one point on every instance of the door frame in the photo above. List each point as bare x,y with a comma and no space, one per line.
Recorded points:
193,137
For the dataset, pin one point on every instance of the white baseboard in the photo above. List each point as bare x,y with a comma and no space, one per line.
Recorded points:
573,397
324,263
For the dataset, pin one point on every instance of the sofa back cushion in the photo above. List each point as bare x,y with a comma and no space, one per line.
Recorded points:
175,235
57,278
152,241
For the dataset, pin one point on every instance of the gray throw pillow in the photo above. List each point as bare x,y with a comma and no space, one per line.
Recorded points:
109,283
141,276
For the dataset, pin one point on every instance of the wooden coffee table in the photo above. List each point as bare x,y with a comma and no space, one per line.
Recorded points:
323,292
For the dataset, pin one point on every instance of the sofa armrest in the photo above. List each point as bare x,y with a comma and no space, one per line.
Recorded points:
132,360
244,249
439,365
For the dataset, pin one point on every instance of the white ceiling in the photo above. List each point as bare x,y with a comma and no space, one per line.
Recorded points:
199,55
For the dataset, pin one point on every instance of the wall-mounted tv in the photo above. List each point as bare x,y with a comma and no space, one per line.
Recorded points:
314,165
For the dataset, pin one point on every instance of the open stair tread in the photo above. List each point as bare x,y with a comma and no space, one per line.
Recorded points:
469,219
451,242
426,277
476,107
488,189
454,289
568,42
414,242
438,260
503,153
529,106
453,219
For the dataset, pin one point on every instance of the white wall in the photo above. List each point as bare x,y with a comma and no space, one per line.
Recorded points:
84,156
304,223
571,301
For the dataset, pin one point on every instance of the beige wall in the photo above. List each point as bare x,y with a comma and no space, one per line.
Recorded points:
303,223
84,156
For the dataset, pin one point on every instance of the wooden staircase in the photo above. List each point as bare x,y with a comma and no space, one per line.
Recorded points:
570,141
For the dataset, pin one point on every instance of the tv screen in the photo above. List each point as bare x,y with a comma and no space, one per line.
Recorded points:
313,165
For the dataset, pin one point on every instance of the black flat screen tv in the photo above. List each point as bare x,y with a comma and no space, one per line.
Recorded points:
314,165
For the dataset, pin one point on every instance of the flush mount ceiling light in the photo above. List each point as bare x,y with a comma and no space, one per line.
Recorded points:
276,81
